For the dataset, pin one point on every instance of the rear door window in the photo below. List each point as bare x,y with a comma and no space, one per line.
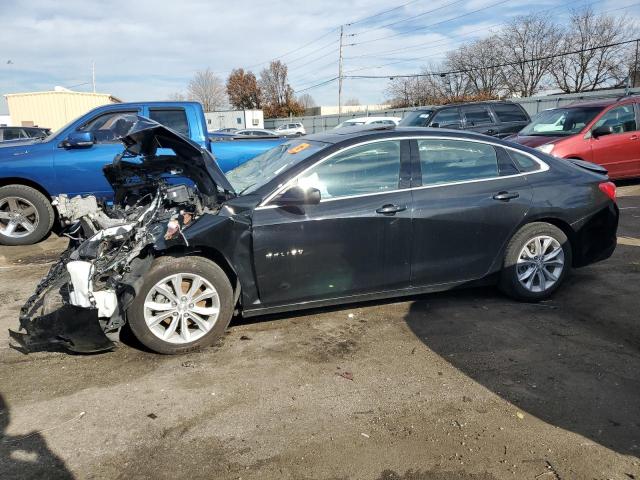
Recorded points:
13,134
447,118
477,115
448,161
174,118
508,112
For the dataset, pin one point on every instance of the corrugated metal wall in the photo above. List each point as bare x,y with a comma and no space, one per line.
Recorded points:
532,105
52,109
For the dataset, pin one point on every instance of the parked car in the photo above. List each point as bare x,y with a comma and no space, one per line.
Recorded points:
606,132
354,122
223,132
9,134
290,129
70,161
256,132
330,219
498,119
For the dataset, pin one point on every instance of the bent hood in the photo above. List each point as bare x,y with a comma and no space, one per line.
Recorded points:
143,137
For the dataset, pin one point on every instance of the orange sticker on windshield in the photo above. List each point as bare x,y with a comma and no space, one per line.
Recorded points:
299,148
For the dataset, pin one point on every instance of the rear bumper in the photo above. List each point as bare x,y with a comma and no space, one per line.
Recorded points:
596,240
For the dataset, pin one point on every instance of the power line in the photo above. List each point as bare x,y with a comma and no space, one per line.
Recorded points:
508,64
405,19
317,85
430,25
483,29
380,13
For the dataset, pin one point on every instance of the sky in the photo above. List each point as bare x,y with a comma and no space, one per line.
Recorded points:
149,49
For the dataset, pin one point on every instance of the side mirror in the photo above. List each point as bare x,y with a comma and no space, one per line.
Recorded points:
435,125
602,130
79,140
296,196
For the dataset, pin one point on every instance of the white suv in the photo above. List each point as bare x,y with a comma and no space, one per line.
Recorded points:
291,129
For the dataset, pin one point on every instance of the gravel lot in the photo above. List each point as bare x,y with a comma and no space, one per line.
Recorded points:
459,385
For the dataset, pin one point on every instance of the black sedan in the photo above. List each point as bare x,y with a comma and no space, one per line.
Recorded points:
347,216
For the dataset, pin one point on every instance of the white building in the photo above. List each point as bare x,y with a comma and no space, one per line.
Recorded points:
5,121
234,119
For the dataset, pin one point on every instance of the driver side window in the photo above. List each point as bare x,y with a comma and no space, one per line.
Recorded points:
365,169
622,119
447,118
107,128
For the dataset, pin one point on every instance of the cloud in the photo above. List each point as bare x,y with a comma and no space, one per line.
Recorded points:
145,49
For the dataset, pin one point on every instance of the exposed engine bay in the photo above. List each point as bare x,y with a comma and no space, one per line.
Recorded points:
85,295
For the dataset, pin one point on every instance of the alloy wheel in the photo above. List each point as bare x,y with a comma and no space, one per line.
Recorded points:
540,263
181,308
18,217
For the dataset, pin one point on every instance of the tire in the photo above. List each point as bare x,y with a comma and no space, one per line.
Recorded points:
142,311
549,260
26,229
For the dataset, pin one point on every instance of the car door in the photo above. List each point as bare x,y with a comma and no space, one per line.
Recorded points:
618,152
79,170
470,201
355,241
478,118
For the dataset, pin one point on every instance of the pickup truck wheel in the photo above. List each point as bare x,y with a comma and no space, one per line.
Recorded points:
185,303
26,215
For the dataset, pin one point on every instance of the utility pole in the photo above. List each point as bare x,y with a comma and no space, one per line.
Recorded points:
93,76
636,66
340,72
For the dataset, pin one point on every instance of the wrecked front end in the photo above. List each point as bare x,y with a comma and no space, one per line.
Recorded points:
82,302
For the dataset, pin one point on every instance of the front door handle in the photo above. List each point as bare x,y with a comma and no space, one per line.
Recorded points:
391,209
634,137
506,196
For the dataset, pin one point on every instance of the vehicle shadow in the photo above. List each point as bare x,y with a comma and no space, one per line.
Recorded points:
27,456
572,361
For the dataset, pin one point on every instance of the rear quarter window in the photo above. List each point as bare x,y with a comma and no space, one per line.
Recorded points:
175,119
524,162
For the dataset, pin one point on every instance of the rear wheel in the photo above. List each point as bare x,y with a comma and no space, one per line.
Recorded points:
26,215
185,303
536,262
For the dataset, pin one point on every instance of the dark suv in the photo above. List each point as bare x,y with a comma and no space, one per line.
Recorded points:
8,134
499,119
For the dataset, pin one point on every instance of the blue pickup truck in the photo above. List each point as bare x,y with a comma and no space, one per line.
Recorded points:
70,161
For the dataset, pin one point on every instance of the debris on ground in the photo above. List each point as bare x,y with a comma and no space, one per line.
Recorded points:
345,374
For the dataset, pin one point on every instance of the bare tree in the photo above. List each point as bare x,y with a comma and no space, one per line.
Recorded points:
207,89
591,67
279,99
243,90
176,97
306,101
477,61
353,101
525,42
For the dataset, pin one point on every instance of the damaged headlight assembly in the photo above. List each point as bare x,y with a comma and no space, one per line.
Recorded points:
82,300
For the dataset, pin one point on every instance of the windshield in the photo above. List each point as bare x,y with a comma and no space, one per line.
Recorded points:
260,170
419,118
561,122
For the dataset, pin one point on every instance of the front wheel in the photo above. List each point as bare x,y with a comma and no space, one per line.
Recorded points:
185,303
537,260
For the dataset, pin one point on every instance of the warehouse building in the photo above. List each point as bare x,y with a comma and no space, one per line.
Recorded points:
53,109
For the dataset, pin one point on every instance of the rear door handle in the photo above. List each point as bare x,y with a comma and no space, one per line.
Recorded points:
391,209
506,196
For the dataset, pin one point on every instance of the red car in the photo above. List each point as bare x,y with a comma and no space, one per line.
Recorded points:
606,132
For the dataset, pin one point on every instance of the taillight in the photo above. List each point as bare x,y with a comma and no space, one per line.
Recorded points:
609,189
